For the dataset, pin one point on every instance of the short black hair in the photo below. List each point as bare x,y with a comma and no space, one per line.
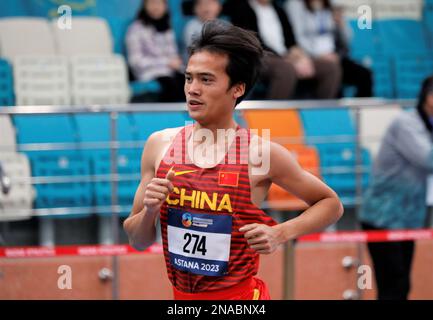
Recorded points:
243,48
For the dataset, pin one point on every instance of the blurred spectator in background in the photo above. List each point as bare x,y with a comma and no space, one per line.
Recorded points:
204,10
396,198
288,63
152,50
323,33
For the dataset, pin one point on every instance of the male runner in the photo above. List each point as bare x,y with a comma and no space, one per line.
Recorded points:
208,198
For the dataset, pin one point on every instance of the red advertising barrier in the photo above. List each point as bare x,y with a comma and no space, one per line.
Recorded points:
108,250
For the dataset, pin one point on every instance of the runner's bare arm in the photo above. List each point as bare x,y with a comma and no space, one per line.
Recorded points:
325,206
151,192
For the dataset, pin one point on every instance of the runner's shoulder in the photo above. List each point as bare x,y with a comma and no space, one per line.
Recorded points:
157,144
163,136
258,144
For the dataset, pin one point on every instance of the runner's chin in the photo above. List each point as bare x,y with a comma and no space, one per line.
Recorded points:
196,110
195,107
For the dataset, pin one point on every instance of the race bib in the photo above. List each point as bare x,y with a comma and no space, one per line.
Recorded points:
199,243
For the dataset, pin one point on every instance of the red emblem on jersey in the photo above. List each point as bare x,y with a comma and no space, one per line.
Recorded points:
230,179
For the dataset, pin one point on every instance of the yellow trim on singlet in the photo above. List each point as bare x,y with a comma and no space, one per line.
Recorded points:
179,173
256,294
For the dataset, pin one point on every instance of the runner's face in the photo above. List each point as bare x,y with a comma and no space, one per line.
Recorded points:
208,96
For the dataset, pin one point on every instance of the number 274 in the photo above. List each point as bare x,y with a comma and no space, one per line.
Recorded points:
197,242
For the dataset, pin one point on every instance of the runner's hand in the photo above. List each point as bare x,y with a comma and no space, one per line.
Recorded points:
262,238
157,191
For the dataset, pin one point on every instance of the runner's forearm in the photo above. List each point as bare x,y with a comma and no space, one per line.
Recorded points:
141,229
314,219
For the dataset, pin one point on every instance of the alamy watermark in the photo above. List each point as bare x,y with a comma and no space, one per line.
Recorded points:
365,277
64,22
228,146
64,282
365,18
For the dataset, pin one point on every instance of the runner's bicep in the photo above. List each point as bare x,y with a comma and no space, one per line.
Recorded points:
288,174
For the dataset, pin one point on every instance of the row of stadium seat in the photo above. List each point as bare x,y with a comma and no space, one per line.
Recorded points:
397,69
322,140
40,37
398,51
80,80
51,66
389,36
399,75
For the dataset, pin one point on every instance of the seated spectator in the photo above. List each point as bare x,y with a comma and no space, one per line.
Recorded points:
288,63
152,50
204,10
322,32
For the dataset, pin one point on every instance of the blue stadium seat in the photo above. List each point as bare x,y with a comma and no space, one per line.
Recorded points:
178,21
45,128
87,123
428,21
402,36
410,71
6,84
52,163
365,40
128,165
382,69
144,87
75,194
237,115
337,159
349,91
147,123
343,161
326,122
118,27
100,158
